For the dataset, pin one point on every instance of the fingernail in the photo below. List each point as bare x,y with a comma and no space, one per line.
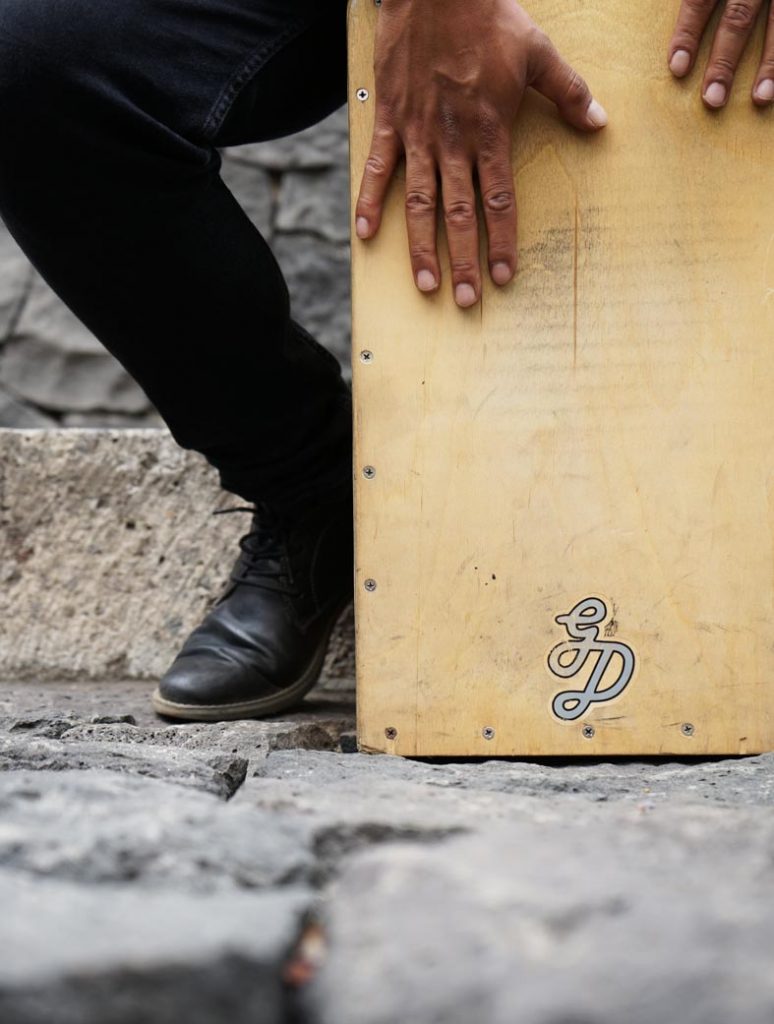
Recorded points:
715,94
501,273
465,295
597,114
680,62
764,90
426,281
361,226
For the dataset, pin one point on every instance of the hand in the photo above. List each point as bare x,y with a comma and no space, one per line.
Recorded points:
734,30
450,77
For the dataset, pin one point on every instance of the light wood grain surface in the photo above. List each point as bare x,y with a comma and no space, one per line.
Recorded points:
602,427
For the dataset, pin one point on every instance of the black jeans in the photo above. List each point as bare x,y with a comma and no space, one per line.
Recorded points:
110,115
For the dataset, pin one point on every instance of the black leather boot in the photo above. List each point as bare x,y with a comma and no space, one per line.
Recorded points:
262,646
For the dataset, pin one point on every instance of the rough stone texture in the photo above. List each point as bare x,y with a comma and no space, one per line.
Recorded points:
218,774
636,921
324,145
109,554
15,413
338,888
315,201
594,892
97,826
295,191
317,273
117,717
15,279
50,359
119,955
253,189
111,420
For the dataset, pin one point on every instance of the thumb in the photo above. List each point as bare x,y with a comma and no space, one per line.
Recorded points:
555,79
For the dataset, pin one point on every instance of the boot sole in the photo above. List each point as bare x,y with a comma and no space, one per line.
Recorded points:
261,706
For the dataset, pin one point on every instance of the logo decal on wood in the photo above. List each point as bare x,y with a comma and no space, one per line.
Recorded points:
568,659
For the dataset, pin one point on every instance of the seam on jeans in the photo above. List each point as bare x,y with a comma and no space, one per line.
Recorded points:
222,105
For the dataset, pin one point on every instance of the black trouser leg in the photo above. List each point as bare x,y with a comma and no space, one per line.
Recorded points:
110,115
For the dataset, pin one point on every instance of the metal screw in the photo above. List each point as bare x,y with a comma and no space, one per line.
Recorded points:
589,732
369,472
488,733
366,356
378,3
687,729
362,95
370,584
391,732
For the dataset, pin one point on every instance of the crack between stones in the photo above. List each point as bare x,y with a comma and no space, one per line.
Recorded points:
19,308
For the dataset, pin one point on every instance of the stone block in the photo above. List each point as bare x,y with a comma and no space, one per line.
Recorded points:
15,413
110,554
573,892
53,361
541,923
315,201
253,189
323,145
120,954
15,278
318,276
98,826
220,774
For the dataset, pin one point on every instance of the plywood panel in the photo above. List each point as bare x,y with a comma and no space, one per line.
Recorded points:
600,429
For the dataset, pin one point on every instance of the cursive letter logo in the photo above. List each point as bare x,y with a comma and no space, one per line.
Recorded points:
582,625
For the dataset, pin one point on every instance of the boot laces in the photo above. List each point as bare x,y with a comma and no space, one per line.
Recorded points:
267,549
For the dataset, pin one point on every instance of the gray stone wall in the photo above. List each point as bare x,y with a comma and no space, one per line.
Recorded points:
53,372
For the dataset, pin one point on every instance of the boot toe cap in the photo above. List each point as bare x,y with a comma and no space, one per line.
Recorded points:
202,684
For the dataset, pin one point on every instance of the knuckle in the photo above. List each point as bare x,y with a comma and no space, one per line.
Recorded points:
740,15
698,7
575,91
721,69
464,268
460,213
384,132
538,40
420,253
500,254
420,202
376,165
693,17
498,200
541,52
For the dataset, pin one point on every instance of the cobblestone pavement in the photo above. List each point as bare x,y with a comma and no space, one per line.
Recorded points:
266,872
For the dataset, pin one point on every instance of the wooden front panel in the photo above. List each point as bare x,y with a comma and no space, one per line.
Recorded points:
602,428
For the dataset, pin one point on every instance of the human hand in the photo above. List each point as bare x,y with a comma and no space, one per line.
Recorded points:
734,30
450,77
